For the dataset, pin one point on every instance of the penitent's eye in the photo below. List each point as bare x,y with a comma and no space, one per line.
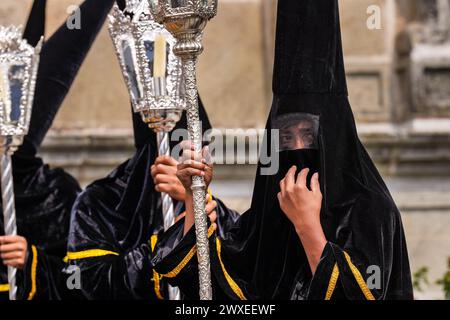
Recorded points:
286,140
307,136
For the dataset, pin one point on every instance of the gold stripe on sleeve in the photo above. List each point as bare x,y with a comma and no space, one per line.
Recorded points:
186,259
332,284
92,253
156,276
234,286
33,273
4,287
359,278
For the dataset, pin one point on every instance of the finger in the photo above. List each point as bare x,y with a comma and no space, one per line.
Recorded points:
163,187
290,177
315,184
11,255
301,179
192,164
191,155
279,196
282,186
162,178
211,206
213,217
187,145
214,226
11,247
184,146
189,172
162,168
166,160
207,159
13,262
9,239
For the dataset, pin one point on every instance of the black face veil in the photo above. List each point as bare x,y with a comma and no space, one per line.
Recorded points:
360,220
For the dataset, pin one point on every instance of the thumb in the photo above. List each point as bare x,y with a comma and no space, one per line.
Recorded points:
207,155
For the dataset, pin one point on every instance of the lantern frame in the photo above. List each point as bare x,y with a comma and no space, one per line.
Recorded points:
136,28
15,52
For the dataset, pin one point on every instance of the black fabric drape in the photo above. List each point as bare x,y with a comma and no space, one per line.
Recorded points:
260,256
44,196
116,222
35,28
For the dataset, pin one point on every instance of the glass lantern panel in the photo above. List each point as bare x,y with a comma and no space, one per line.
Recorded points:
16,78
207,2
129,61
178,3
149,46
4,92
153,3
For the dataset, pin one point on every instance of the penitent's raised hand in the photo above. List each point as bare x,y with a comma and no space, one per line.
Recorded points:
302,206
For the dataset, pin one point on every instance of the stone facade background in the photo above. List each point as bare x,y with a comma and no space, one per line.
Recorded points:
399,83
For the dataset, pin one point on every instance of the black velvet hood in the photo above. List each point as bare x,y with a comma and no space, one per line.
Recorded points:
359,217
35,28
44,196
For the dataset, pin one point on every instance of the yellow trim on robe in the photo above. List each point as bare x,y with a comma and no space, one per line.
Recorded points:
4,287
92,253
359,278
332,284
210,195
186,259
33,273
156,277
153,241
233,285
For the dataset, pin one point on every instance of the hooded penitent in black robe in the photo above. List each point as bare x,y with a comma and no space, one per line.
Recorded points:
44,196
115,224
260,256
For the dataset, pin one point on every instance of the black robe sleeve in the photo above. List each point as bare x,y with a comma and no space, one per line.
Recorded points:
359,263
175,258
41,278
107,270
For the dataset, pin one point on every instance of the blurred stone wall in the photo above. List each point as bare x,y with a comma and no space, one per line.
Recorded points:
399,84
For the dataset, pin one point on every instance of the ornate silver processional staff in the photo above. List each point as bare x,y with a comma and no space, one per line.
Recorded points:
18,69
186,19
154,77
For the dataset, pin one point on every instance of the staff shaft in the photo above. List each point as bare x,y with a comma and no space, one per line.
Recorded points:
167,203
198,183
9,214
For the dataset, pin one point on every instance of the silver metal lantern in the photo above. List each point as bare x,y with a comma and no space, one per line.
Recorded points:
154,77
18,69
160,100
186,19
